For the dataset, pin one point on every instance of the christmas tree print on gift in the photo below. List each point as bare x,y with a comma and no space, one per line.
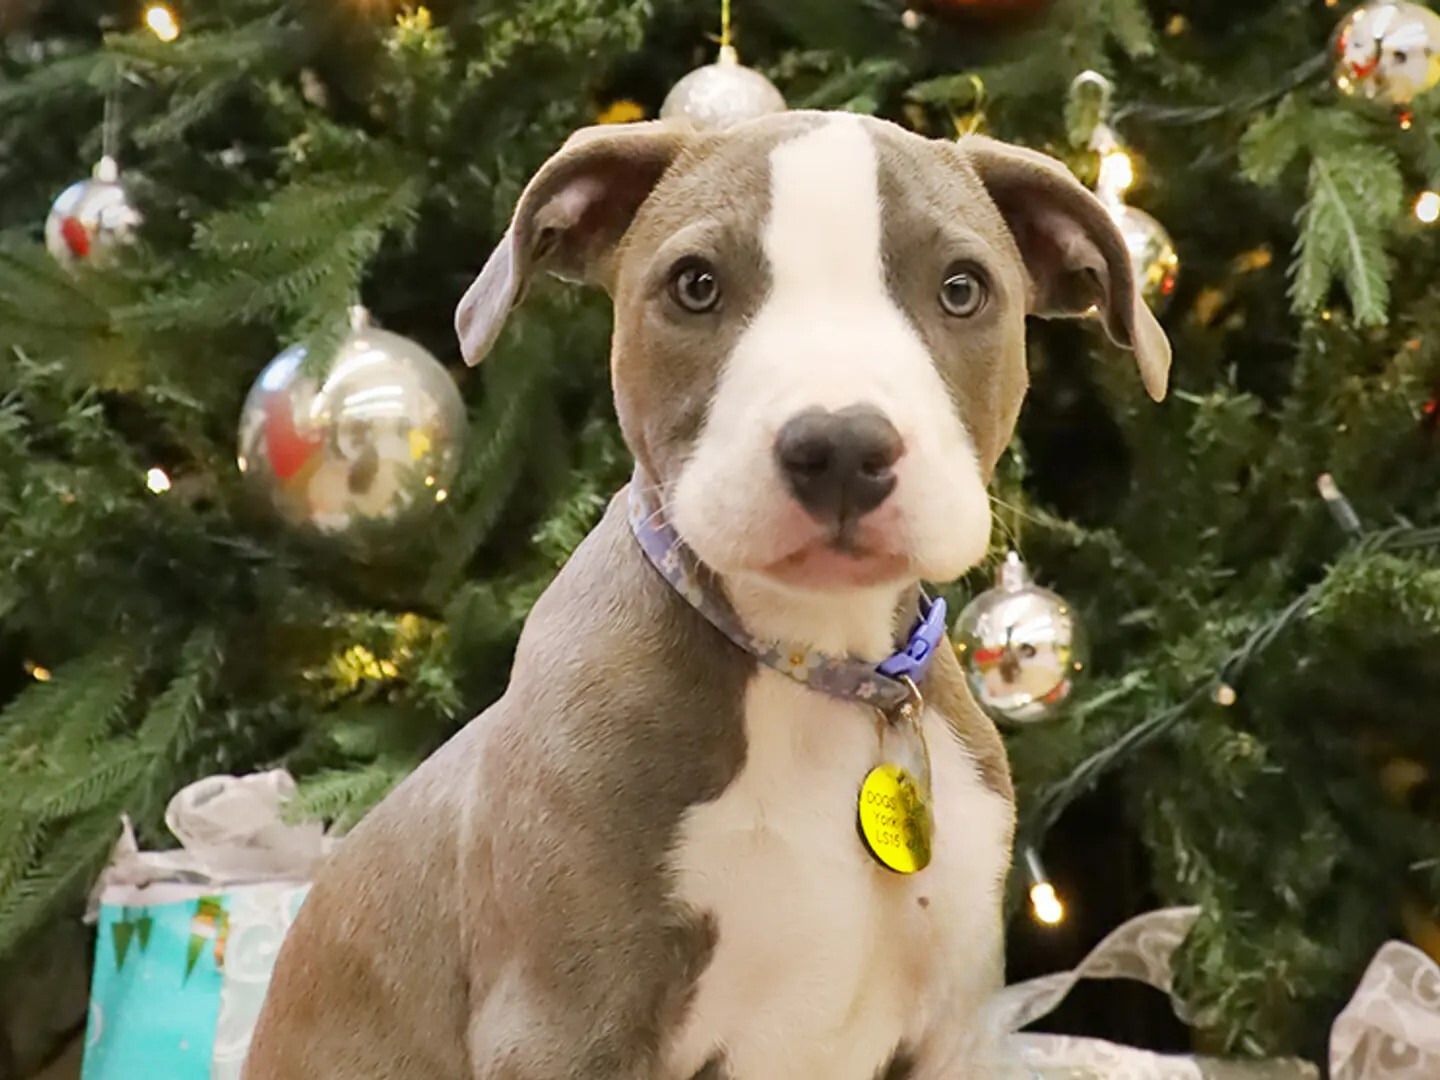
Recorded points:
156,990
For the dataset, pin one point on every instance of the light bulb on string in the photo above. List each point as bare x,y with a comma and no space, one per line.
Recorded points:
1045,902
1153,258
162,21
157,480
38,672
1341,509
1427,207
1117,173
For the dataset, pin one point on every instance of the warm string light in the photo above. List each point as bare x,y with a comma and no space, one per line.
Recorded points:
1117,167
1225,695
157,480
1117,172
1427,207
1045,902
38,672
162,21
1338,505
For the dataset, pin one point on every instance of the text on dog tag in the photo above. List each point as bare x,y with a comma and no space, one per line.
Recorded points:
895,819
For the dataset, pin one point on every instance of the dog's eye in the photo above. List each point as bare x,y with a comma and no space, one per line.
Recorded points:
695,286
963,291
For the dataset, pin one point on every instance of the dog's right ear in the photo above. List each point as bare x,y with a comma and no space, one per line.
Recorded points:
569,221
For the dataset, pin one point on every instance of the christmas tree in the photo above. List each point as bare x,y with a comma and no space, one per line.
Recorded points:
1256,731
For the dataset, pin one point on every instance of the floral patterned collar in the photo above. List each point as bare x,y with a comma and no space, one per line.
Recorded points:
887,685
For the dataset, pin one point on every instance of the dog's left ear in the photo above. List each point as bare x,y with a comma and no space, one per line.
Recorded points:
1073,251
569,220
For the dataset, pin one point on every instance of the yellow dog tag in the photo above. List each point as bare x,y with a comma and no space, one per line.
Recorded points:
895,819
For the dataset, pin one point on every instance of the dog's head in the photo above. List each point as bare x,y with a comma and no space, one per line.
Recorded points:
819,347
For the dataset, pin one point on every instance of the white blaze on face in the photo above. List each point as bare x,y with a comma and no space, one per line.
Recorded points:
829,335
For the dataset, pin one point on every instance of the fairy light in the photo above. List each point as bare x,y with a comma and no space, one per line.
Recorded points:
162,21
38,672
441,495
1339,506
1427,207
1225,695
1117,172
1045,902
157,480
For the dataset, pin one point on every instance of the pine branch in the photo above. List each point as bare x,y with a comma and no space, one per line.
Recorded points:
61,81
169,728
489,472
116,766
1352,200
231,52
1272,142
298,257
1132,28
72,860
68,824
341,796
83,698
21,841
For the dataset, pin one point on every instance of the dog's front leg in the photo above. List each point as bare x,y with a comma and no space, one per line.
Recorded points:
591,1024
961,1041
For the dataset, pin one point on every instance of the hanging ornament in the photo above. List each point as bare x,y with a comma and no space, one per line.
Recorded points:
1388,51
1153,258
91,219
1021,646
722,94
374,439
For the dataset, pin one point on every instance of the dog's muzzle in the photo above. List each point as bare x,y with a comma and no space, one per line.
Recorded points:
839,466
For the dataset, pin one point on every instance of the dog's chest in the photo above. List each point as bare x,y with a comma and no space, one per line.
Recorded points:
825,962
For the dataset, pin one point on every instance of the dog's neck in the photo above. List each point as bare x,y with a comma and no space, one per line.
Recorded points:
861,622
864,645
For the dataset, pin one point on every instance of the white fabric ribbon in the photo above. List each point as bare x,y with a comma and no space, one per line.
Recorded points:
1390,1030
231,832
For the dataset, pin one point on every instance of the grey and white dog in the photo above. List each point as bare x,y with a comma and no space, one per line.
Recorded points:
642,861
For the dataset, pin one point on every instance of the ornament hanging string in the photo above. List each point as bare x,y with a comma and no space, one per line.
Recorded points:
971,124
112,119
110,125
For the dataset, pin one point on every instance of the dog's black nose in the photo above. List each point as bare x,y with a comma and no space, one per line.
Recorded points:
838,465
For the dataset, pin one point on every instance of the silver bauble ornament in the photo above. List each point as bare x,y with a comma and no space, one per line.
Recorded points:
91,218
721,94
1153,258
1388,51
1021,646
374,441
